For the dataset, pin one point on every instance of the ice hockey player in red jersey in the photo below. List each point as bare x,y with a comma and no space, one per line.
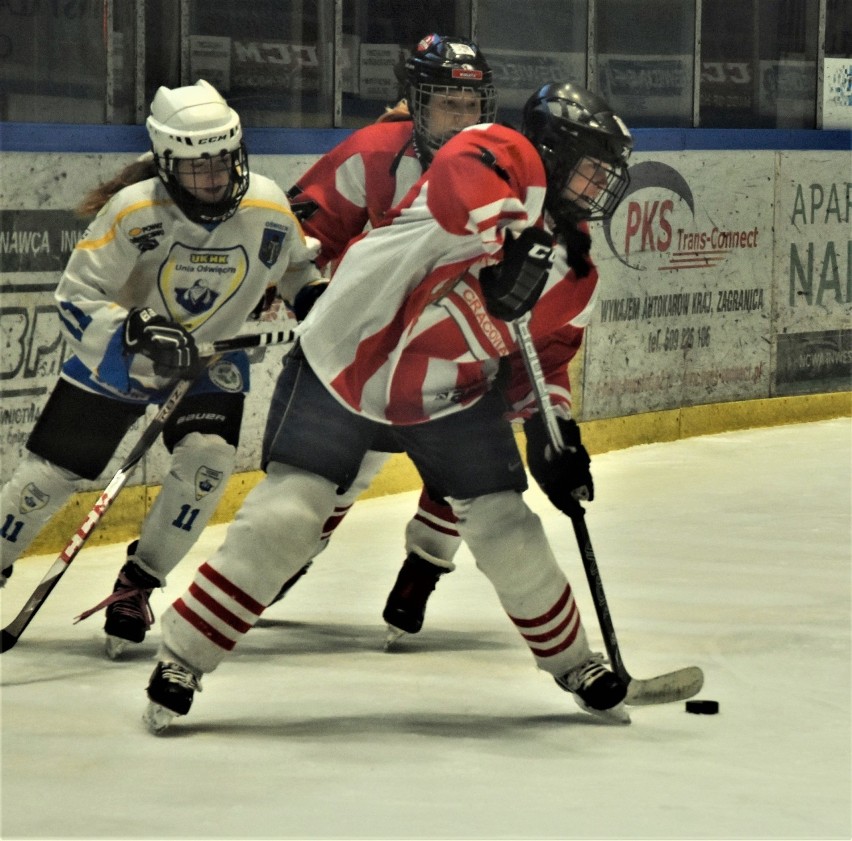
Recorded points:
411,334
448,86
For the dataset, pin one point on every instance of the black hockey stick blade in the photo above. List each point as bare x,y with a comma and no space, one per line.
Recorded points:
7,640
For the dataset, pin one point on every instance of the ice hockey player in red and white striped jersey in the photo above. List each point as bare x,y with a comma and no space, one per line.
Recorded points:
411,335
448,86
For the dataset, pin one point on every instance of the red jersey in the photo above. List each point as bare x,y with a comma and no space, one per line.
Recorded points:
357,183
402,335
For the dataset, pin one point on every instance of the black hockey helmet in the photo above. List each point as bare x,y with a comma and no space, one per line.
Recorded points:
570,126
443,64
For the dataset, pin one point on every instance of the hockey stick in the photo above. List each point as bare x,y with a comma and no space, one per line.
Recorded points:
673,686
12,632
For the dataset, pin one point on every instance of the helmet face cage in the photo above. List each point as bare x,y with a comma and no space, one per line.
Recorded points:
422,100
584,147
441,69
196,138
178,177
582,184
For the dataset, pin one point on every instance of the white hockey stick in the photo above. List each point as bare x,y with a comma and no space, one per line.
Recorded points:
673,686
12,632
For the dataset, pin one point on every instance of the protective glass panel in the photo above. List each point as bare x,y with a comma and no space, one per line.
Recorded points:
529,44
271,59
758,63
56,58
644,60
378,36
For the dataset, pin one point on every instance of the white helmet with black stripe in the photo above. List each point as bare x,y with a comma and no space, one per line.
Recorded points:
195,123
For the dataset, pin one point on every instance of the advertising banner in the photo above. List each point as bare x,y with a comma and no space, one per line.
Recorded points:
652,85
813,267
686,286
518,73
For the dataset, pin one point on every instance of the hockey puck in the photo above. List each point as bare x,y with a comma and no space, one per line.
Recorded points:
702,707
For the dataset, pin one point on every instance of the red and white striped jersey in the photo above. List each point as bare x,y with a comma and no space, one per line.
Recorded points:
356,184
402,335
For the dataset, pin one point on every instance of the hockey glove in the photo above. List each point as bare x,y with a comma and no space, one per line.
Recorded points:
164,342
565,477
306,297
512,287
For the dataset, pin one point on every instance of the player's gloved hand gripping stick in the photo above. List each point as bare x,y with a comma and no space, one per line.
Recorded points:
674,686
208,352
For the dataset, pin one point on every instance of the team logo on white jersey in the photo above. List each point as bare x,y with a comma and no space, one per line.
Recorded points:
226,375
32,499
197,298
271,244
206,481
196,283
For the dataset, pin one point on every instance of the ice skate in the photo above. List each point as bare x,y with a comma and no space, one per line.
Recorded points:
170,693
128,611
406,604
597,690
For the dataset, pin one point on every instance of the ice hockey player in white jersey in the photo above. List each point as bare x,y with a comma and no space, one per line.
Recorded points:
184,246
411,334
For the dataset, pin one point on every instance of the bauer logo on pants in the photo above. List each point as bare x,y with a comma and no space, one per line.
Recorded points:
206,481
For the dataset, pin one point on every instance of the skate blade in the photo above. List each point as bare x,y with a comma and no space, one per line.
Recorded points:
394,635
614,715
157,718
115,647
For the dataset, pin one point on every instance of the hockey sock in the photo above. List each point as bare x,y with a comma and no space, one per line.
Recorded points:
36,491
432,533
273,536
200,468
510,547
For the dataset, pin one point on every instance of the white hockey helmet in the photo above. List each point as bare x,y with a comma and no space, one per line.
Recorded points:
195,122
191,121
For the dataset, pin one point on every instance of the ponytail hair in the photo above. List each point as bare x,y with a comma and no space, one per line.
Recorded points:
396,114
141,169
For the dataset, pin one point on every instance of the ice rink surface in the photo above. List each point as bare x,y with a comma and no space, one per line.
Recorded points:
730,552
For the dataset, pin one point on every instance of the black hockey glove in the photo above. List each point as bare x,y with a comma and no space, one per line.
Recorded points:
306,297
164,342
512,287
565,477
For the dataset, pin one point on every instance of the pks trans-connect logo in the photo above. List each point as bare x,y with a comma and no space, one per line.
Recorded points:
655,226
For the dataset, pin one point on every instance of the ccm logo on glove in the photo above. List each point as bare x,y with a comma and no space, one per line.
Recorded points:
512,287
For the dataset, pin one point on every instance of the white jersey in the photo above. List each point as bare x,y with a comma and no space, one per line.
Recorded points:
142,251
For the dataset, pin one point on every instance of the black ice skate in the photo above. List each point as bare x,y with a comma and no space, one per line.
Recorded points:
406,604
170,693
128,609
597,690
